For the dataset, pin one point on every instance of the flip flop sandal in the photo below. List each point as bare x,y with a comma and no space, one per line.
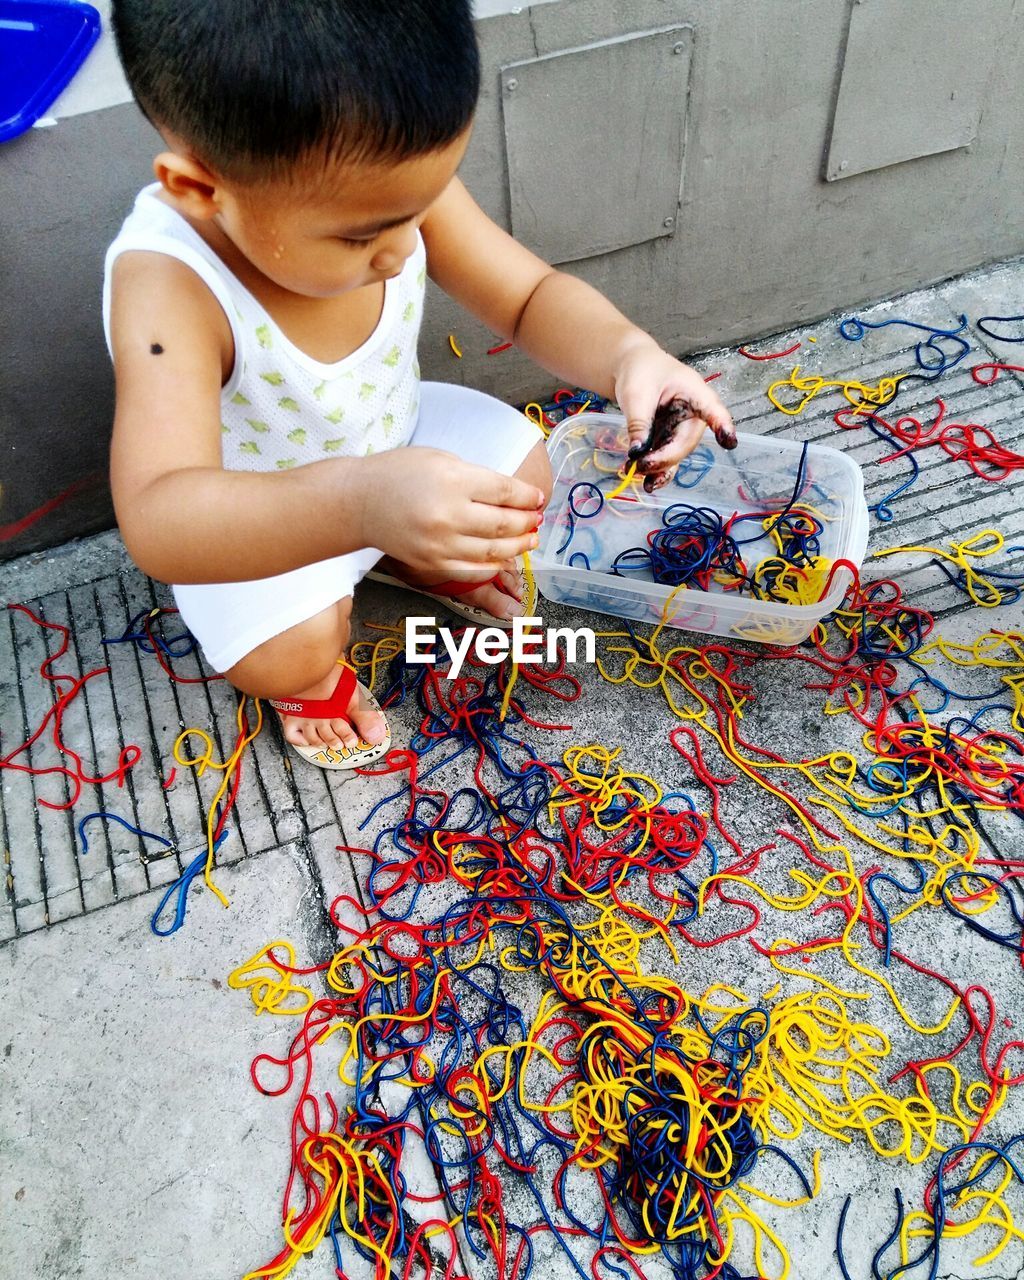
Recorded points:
333,708
446,593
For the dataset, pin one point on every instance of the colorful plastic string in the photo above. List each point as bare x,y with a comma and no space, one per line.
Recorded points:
142,632
564,404
699,547
66,688
963,441
929,354
931,359
113,817
232,770
666,1102
983,323
987,589
179,891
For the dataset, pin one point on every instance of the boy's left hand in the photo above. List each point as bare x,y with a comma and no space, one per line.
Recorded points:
648,378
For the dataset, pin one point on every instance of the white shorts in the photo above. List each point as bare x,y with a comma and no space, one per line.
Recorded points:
230,619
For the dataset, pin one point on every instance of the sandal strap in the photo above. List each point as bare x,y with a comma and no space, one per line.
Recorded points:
333,708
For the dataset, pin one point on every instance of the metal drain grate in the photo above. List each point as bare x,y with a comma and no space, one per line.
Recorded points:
48,877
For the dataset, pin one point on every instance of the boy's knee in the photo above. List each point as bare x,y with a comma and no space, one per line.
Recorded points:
536,468
298,657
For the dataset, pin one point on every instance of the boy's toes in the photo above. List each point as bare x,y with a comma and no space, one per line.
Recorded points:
360,723
511,580
338,733
309,733
367,723
495,601
502,597
296,731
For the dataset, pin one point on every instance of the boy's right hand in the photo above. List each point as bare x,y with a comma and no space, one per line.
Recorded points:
432,510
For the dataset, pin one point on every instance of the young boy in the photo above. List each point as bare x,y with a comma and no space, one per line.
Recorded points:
272,440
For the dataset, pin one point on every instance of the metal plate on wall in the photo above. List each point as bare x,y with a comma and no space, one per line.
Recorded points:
912,81
594,138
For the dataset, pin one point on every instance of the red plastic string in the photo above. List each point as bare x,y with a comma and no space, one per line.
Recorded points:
994,370
128,756
773,355
969,442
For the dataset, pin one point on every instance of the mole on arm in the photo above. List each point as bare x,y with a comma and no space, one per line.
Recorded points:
156,349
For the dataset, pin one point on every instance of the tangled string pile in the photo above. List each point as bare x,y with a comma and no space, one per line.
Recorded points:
634,1115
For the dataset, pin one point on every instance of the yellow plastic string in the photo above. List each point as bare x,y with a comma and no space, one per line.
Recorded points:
863,396
535,413
367,656
624,484
206,761
530,605
269,983
988,542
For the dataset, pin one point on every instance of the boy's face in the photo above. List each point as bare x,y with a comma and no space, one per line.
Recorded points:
327,231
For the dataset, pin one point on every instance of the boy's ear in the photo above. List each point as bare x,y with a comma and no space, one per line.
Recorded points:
192,187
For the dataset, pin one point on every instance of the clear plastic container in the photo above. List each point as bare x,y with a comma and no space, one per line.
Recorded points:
758,476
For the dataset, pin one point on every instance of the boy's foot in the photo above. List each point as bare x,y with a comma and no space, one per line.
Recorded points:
495,602
351,725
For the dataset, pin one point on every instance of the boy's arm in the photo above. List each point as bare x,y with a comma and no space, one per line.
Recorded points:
563,323
185,519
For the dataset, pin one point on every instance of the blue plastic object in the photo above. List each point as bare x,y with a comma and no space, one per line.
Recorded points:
42,45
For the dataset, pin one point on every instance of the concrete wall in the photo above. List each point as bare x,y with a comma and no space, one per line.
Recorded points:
781,111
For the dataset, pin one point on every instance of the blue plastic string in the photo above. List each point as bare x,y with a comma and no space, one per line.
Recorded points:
983,324
113,817
180,888
936,361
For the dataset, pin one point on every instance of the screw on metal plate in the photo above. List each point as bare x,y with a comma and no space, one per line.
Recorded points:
679,47
512,85
843,165
669,222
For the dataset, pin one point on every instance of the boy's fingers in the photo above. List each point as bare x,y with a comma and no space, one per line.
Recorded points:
638,431
483,552
496,490
659,480
687,438
499,522
638,402
708,410
717,416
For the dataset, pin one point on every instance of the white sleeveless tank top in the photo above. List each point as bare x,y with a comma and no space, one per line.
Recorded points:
280,408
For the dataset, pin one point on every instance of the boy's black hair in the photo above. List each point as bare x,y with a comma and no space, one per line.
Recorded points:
254,86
